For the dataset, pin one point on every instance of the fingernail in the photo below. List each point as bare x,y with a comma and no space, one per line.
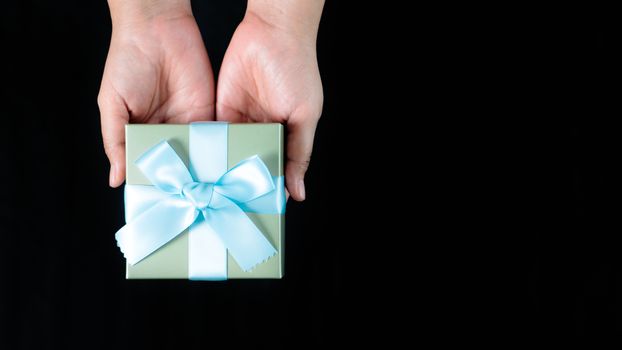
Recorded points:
301,189
113,175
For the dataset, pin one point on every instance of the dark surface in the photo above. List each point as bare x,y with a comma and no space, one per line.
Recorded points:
351,250
574,247
61,274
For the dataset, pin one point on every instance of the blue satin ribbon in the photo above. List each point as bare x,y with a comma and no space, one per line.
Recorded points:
208,199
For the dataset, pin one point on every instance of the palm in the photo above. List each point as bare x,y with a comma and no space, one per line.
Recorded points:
270,75
156,72
161,74
267,76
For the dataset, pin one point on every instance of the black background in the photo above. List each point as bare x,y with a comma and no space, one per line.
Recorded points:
62,279
571,173
509,124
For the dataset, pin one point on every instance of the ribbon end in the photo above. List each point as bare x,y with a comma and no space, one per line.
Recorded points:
249,267
130,258
120,244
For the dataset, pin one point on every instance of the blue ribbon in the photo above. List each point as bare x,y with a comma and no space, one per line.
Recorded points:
209,200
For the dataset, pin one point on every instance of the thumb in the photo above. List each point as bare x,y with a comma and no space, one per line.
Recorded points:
114,116
300,133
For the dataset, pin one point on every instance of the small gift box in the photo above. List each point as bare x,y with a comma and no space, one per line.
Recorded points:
204,201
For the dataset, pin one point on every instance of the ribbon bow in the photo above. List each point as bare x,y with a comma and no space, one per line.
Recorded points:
210,208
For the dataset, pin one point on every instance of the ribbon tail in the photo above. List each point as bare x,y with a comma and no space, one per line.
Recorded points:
271,203
244,241
155,227
207,255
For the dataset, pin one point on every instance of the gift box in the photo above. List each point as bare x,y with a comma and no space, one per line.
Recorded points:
226,180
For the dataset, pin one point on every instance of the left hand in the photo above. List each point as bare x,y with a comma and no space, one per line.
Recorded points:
270,74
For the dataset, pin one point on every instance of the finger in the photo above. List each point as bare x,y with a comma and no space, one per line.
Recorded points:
114,116
300,135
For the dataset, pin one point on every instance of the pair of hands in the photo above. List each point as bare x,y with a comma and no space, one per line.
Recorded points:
158,71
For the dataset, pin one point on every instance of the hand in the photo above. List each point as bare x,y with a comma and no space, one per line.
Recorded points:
157,71
270,74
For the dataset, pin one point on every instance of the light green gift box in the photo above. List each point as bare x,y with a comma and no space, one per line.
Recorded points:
244,140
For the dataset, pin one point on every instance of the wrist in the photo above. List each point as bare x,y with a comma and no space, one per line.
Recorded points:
136,12
299,19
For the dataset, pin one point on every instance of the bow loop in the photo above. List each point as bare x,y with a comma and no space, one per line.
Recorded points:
246,181
164,169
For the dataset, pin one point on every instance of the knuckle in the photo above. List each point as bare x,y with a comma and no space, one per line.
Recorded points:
300,164
100,100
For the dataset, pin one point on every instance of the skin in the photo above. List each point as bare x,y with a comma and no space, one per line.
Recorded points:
158,71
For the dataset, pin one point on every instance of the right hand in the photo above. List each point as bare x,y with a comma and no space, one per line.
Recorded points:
157,71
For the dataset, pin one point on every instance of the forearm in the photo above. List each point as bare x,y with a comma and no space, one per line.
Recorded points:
298,17
125,12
